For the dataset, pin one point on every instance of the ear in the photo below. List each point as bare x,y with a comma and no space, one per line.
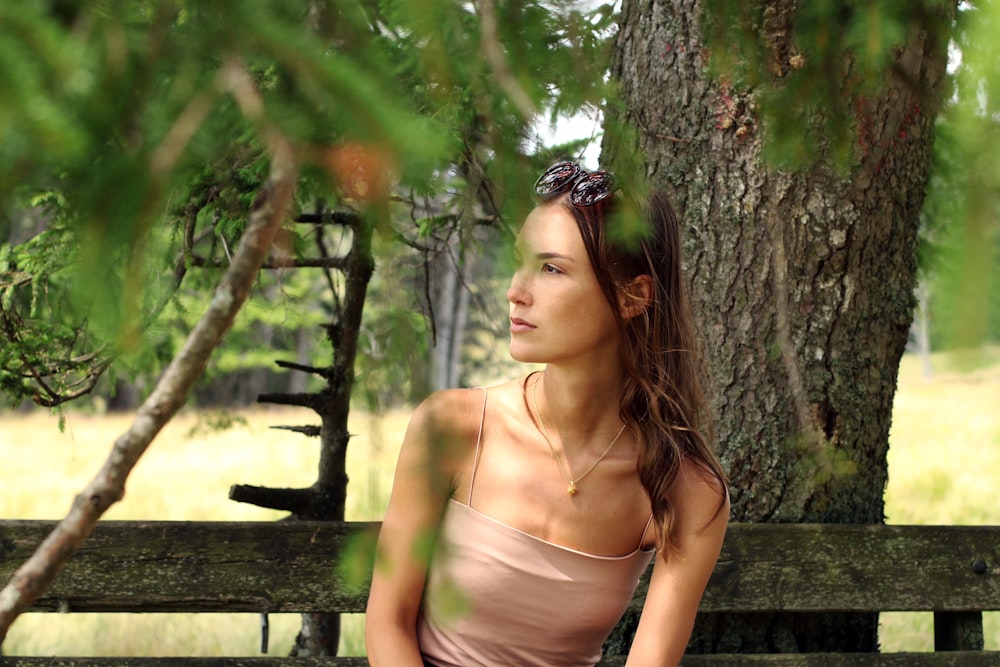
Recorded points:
635,296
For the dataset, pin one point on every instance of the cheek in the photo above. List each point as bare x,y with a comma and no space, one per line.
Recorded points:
590,313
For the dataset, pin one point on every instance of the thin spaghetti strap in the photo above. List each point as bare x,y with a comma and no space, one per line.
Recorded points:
642,537
479,442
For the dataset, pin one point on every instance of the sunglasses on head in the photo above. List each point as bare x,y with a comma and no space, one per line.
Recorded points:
586,188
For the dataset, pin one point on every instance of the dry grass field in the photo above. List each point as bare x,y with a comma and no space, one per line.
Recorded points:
185,475
944,467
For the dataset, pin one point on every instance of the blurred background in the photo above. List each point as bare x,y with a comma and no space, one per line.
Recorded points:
835,165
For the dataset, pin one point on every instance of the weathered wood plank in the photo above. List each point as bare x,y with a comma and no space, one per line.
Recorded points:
131,566
949,659
266,661
954,659
293,567
811,567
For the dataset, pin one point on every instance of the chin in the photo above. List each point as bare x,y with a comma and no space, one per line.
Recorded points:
518,353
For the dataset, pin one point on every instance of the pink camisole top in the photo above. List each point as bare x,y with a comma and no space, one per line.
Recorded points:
496,596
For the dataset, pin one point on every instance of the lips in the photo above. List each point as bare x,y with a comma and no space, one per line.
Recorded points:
517,325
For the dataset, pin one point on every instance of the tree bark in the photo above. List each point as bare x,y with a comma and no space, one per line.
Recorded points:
802,282
326,498
452,267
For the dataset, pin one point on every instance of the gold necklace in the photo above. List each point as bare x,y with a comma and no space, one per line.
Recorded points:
571,489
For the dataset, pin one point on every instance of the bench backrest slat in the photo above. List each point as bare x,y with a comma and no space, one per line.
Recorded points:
827,567
949,659
941,659
128,566
291,566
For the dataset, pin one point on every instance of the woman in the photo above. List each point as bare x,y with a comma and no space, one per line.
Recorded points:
522,515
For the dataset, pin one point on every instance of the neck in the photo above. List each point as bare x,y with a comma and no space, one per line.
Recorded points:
580,410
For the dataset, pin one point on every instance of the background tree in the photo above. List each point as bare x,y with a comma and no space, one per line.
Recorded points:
133,154
796,141
961,218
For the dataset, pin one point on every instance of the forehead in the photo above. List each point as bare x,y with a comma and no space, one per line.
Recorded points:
550,228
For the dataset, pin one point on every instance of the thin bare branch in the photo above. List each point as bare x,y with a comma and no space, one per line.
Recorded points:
291,365
171,392
493,51
308,430
339,263
170,150
295,501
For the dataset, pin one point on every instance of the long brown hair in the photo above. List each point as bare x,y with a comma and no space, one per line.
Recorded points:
663,402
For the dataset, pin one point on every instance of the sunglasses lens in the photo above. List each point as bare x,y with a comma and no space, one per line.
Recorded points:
592,188
557,178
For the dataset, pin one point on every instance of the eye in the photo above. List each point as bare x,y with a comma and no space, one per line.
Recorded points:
549,268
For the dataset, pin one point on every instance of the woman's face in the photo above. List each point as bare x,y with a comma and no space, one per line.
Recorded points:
558,312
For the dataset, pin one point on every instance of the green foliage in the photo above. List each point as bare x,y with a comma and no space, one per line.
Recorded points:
808,64
39,316
960,246
961,217
130,156
210,422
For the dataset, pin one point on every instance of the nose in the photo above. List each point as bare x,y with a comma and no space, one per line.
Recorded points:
518,293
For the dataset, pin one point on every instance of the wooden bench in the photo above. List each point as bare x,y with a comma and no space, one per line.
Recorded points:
952,571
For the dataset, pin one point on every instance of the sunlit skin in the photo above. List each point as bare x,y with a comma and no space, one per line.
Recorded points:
559,317
557,310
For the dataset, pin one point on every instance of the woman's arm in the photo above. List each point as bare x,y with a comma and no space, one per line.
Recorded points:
432,447
701,507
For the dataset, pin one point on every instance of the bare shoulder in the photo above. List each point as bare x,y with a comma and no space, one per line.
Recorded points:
449,418
450,412
700,499
695,477
445,427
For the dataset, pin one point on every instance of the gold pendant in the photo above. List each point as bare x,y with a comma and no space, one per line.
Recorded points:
571,489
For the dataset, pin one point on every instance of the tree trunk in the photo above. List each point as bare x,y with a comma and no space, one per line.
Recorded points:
802,284
452,267
325,500
922,328
298,383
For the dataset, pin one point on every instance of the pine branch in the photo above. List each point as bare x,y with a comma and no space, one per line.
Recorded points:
92,366
497,59
107,488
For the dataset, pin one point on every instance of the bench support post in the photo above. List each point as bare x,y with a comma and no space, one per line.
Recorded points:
958,631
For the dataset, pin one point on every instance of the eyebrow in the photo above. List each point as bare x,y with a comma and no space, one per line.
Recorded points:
546,255
553,255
